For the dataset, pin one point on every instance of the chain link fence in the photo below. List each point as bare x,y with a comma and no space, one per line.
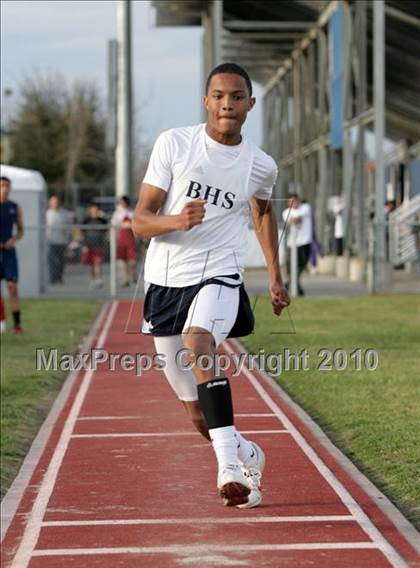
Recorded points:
95,260
104,261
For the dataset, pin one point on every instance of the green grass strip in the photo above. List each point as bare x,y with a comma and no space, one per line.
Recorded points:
373,416
27,395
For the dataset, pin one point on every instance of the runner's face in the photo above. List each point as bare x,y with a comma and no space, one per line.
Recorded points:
227,102
4,190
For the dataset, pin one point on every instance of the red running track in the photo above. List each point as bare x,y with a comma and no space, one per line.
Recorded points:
125,481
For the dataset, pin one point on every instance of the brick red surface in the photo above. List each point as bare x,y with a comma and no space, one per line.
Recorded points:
173,477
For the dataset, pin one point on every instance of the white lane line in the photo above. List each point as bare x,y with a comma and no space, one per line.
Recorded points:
256,415
246,415
166,434
109,418
204,520
33,527
364,521
205,549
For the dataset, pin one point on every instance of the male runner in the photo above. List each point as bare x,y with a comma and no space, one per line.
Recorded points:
10,215
194,202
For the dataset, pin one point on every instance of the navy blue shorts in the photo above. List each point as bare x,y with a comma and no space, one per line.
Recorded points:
166,309
8,265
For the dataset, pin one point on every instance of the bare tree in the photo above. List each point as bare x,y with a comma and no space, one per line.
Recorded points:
142,148
77,116
60,131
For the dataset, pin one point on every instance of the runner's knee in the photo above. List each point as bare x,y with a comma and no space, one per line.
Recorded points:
199,340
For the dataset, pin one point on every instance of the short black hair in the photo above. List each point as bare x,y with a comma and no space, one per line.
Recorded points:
126,200
293,196
230,68
6,179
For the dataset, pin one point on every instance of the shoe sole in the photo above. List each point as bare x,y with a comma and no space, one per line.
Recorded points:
234,494
248,505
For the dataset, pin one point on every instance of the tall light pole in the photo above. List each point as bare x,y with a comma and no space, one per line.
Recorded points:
379,258
217,21
111,118
6,150
123,154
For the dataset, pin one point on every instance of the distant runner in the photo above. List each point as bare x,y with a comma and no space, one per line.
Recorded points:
10,217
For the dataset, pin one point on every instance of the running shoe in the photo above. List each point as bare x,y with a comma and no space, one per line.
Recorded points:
233,485
253,473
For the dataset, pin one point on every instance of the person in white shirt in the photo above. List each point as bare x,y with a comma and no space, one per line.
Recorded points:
339,226
59,222
300,215
201,186
126,243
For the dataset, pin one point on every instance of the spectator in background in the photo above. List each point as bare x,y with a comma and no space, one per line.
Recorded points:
59,222
339,226
300,215
390,206
126,242
93,243
10,216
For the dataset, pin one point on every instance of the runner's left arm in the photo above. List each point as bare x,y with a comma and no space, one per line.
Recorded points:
265,224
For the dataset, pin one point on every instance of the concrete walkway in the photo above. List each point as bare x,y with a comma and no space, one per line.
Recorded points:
77,285
256,281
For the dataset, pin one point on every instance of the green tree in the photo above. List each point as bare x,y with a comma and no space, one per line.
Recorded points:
60,131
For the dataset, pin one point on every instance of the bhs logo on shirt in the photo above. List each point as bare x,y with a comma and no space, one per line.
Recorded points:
212,194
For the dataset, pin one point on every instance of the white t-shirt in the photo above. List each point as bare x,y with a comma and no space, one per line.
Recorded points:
188,164
304,228
59,223
338,223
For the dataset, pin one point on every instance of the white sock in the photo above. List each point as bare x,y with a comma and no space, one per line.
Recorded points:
224,445
246,452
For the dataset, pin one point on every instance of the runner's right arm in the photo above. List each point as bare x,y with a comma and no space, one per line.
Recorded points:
146,221
10,243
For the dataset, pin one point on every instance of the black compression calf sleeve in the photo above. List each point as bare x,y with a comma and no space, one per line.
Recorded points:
216,403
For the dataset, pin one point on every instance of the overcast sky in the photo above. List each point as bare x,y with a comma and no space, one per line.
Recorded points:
70,37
